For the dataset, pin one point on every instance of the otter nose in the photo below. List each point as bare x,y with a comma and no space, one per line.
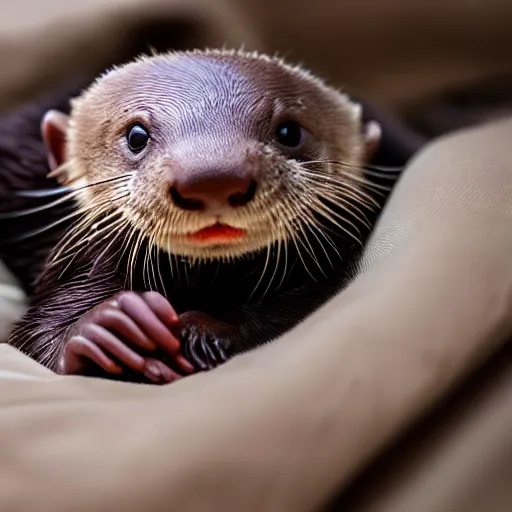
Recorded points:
200,190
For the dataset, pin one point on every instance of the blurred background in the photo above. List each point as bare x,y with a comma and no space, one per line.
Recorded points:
439,64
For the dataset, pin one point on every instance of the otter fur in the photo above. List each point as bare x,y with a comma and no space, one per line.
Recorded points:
208,202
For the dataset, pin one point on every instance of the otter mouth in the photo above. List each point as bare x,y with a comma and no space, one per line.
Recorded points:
217,233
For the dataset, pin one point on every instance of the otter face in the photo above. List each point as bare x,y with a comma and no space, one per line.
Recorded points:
212,155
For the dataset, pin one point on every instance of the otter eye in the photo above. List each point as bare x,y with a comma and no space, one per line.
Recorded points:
290,134
137,137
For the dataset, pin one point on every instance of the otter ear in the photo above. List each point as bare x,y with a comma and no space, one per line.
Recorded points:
54,128
372,139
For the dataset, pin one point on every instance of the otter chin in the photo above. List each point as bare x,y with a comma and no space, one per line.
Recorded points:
239,161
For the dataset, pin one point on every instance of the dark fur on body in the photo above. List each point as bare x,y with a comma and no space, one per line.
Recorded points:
222,290
24,167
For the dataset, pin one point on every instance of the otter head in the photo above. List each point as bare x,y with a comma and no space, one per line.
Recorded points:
211,154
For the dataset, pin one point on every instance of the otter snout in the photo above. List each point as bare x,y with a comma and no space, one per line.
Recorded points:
212,187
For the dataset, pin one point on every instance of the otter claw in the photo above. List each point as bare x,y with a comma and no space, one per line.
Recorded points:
194,350
206,343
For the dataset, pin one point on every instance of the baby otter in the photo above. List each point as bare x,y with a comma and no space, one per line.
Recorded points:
220,200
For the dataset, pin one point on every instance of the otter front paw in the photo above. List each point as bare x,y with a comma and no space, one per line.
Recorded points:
206,342
113,335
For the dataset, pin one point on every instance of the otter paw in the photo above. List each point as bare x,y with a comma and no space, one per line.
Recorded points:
206,342
121,335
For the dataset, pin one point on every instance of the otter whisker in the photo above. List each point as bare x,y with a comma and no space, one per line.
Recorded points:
321,206
134,254
285,214
66,267
285,244
97,235
347,206
157,258
169,253
263,273
77,229
122,229
338,183
148,268
123,223
361,179
286,218
71,193
327,213
128,245
348,181
30,211
375,170
91,238
127,240
342,201
145,272
152,263
358,195
305,240
137,249
278,259
283,223
311,224
341,186
98,211
50,226
288,234
98,208
309,221
44,192
345,199
39,231
294,240
64,190
82,227
328,239
292,205
326,180
283,218
174,219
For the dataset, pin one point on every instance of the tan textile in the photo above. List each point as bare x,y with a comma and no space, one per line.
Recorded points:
284,427
12,302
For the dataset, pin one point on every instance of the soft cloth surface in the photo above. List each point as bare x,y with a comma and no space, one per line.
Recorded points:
12,302
289,426
285,427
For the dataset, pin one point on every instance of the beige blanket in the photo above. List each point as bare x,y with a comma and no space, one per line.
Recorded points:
290,426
